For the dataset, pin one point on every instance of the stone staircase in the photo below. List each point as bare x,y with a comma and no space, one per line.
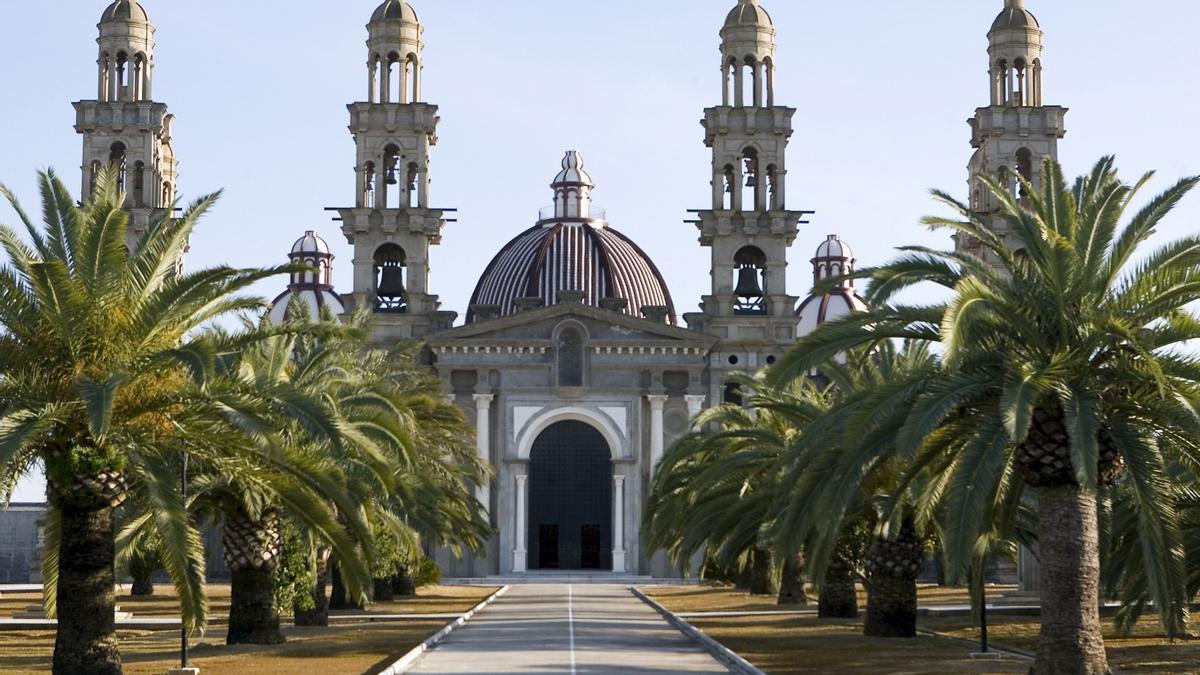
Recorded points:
580,578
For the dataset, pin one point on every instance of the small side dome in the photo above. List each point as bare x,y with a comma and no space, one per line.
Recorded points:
1015,17
311,242
833,259
395,10
748,13
125,10
833,248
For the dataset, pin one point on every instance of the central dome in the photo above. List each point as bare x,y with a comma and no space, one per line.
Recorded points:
571,250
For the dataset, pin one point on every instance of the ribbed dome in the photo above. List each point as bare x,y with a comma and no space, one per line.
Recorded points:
316,299
311,242
575,256
1015,16
748,13
125,10
395,10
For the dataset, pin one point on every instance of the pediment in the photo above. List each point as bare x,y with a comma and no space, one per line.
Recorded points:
603,326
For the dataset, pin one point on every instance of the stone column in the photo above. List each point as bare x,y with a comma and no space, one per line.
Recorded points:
619,564
520,552
483,438
695,404
657,401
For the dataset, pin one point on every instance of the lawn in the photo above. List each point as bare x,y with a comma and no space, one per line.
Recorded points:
429,600
804,644
346,647
720,598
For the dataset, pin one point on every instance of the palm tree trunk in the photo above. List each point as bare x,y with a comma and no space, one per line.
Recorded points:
141,569
143,586
86,641
893,567
1068,545
761,578
252,551
404,584
319,614
339,597
891,607
791,585
253,616
838,598
383,590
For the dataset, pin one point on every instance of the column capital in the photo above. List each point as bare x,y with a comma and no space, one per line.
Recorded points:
483,399
521,478
695,398
618,479
657,400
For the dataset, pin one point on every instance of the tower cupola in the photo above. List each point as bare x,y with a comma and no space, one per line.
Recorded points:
1015,52
833,259
572,189
394,53
748,56
314,286
126,62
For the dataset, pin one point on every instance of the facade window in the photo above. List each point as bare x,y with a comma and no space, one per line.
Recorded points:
570,358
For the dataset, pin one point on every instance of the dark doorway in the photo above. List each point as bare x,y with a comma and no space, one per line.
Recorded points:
570,499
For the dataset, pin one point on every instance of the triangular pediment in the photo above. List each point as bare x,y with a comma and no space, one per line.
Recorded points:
539,325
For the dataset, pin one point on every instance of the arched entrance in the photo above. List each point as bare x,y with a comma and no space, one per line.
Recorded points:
570,499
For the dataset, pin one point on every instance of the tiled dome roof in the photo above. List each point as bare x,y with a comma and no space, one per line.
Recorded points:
392,10
1015,16
125,10
748,13
572,256
311,242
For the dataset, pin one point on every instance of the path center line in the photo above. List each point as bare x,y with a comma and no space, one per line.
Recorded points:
571,622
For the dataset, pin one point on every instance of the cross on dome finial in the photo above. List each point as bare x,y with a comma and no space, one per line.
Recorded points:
1016,4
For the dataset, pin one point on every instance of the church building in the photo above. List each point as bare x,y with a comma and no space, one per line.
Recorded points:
571,358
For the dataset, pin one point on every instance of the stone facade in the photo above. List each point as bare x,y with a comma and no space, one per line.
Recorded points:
20,543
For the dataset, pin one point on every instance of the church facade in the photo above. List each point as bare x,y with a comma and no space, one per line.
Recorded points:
571,359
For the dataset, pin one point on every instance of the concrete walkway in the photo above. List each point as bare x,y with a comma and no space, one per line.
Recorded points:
568,629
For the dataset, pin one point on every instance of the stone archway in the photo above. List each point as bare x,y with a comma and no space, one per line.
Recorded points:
570,522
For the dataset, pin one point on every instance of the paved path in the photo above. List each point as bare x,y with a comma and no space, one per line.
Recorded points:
586,629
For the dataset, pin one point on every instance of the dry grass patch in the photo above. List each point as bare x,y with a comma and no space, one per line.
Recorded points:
722,598
806,645
1146,650
360,647
429,600
352,648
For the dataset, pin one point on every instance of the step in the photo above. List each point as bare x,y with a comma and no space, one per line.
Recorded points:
39,612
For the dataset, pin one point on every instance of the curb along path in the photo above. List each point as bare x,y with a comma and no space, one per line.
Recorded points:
567,629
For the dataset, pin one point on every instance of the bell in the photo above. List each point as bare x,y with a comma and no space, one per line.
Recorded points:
391,176
391,282
751,181
747,285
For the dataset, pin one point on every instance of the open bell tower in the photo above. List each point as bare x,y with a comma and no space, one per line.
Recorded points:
124,127
748,227
391,224
1016,130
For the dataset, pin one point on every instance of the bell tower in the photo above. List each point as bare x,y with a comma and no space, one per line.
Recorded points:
391,224
124,128
748,227
1013,134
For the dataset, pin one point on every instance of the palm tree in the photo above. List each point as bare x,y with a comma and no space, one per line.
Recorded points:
840,476
101,349
1061,372
715,487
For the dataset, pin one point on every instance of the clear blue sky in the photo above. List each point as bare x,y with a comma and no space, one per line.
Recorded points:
883,88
